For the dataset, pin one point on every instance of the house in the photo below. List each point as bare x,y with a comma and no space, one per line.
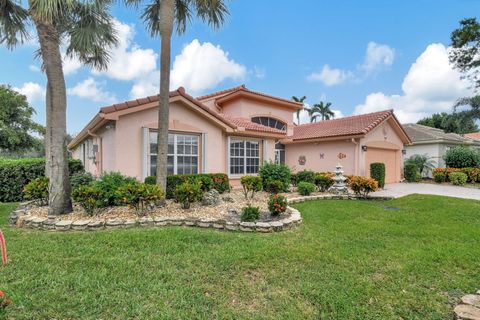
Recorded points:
434,142
235,131
473,135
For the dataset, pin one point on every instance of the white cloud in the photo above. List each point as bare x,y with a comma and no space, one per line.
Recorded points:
260,73
431,85
203,66
34,68
33,91
70,65
147,86
377,56
128,61
93,90
330,76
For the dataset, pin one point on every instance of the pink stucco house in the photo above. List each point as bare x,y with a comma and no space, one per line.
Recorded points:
234,131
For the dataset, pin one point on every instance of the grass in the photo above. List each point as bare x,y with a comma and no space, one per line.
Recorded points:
349,260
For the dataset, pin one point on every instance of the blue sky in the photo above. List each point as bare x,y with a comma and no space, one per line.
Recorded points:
361,56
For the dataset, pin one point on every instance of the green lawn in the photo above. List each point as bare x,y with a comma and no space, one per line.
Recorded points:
349,260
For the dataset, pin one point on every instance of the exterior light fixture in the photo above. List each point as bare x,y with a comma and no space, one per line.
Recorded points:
404,152
364,148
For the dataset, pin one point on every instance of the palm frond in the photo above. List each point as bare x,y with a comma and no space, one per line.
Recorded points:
49,10
151,18
14,20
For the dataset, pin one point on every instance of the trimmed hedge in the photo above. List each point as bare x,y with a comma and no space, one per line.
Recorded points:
473,174
377,172
219,182
16,173
411,172
462,157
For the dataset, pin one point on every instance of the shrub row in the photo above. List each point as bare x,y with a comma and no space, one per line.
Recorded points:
473,174
15,174
208,181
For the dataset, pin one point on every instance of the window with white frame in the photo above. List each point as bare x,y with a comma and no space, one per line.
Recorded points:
182,157
244,156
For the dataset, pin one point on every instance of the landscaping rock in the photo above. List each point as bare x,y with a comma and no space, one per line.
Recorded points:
114,224
247,226
48,224
228,199
231,226
37,222
130,223
80,224
63,225
95,225
277,226
190,223
471,299
146,221
467,312
211,198
161,221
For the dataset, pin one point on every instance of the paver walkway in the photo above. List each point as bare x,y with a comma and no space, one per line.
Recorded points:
403,189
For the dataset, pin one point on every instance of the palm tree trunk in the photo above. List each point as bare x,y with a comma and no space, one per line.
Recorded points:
59,201
48,108
166,28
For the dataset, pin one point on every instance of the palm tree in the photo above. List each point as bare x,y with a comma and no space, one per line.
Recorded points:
160,17
87,28
320,110
424,163
473,103
300,100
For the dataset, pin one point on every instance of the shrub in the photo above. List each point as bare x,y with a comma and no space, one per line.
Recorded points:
187,192
90,197
16,173
306,176
274,186
423,162
410,172
37,190
362,185
324,181
277,204
109,183
251,185
139,195
305,188
377,172
217,181
220,182
439,177
293,179
274,171
150,180
458,178
462,157
4,303
250,213
205,181
473,174
80,179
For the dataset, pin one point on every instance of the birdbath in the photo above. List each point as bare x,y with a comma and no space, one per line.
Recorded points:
339,186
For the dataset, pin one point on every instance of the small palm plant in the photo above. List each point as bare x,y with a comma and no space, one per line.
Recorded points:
424,163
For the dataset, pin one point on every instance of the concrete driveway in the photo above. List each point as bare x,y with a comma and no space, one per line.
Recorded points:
402,189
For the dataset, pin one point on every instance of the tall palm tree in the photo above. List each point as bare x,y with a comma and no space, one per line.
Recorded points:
300,100
160,16
86,29
473,103
320,110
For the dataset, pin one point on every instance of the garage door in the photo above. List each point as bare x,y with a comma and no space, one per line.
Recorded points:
386,156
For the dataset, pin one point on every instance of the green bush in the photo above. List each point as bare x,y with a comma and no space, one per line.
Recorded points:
462,157
150,180
362,185
377,172
306,176
250,214
277,204
217,181
109,183
273,171
458,178
16,173
324,181
439,177
139,195
274,186
305,188
250,185
293,179
37,190
188,192
90,197
80,179
411,172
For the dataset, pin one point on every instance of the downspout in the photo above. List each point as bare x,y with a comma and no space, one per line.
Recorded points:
356,159
100,150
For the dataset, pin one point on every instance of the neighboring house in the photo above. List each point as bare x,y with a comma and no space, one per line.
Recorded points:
473,135
234,131
434,142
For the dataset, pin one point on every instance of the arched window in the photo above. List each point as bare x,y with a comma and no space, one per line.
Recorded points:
270,122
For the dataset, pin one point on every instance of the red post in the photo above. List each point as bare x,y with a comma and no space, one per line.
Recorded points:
3,248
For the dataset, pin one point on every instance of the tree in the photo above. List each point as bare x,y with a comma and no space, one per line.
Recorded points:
300,100
424,163
465,52
160,17
87,29
458,122
16,124
320,110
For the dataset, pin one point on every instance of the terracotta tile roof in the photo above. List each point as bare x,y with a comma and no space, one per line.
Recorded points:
473,135
252,126
218,93
347,126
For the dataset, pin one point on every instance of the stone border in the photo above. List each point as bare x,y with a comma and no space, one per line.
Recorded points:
295,218
469,307
20,218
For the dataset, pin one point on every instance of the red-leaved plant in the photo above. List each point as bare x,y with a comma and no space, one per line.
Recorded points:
4,302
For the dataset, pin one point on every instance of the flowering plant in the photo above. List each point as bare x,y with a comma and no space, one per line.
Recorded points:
277,204
4,301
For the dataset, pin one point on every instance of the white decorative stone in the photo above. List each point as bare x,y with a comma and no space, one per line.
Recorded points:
467,312
80,224
63,225
96,225
471,299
